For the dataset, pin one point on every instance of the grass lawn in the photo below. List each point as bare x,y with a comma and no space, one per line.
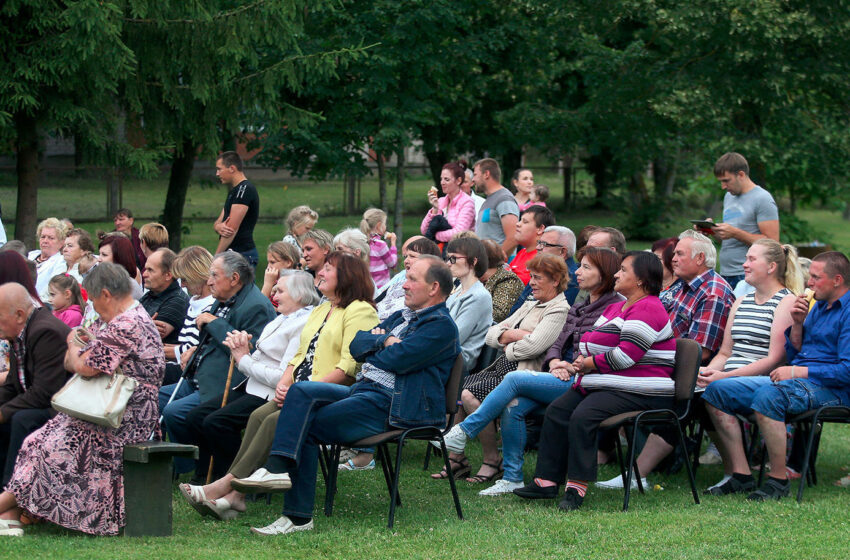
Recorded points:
661,524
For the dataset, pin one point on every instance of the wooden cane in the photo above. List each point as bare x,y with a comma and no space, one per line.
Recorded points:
223,403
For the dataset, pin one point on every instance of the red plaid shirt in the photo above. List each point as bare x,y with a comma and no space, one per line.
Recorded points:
700,309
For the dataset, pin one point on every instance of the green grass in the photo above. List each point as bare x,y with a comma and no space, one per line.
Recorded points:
660,524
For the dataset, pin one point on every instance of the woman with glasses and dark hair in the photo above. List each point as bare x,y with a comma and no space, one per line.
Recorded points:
624,363
469,305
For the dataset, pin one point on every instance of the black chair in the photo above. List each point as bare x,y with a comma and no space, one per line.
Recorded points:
399,437
685,371
809,424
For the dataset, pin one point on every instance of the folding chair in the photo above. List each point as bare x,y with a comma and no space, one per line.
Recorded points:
399,437
809,424
685,371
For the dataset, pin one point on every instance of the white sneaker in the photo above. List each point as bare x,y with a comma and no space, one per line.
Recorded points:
262,481
501,486
616,483
282,526
455,440
11,528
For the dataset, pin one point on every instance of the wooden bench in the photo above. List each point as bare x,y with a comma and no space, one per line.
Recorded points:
147,486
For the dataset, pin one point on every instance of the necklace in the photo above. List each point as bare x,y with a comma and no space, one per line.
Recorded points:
631,303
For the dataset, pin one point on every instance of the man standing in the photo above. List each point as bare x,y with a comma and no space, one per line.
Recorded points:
749,213
36,370
239,305
499,214
164,301
407,361
124,223
235,224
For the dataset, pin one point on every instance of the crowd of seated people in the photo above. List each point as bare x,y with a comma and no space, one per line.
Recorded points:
259,373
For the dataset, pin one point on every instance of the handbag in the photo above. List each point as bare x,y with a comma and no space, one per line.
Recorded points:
101,399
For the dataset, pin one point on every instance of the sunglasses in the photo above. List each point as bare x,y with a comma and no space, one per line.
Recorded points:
454,258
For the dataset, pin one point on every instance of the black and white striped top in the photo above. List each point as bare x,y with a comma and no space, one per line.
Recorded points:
751,329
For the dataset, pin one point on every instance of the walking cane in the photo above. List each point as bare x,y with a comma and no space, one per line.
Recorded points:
223,403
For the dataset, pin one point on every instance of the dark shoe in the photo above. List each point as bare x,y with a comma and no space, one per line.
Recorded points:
534,492
571,500
738,484
773,489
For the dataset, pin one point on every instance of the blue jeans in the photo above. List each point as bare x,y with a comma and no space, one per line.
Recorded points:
734,395
733,279
174,415
315,413
794,396
519,394
253,256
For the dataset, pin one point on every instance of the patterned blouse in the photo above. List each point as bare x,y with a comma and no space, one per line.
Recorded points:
504,287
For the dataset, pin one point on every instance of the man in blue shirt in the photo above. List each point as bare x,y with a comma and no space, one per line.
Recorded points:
817,345
407,361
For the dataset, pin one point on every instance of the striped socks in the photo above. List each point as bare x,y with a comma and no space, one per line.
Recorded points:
579,486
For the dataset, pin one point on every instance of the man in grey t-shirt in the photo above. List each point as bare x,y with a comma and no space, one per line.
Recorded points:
749,214
498,216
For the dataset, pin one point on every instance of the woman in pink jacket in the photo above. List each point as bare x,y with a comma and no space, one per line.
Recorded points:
453,213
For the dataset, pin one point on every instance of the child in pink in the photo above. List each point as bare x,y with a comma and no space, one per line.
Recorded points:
67,300
382,257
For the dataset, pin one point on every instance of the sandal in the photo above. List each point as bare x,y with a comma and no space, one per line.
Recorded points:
459,469
480,478
843,482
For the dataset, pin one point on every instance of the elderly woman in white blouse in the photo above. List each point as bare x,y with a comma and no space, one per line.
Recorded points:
218,430
48,257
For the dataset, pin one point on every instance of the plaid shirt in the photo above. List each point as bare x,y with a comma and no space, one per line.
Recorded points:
700,309
376,374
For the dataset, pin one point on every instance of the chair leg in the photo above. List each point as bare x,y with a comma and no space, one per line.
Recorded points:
323,461
810,442
620,461
386,463
331,478
452,483
627,482
427,456
394,491
700,436
687,462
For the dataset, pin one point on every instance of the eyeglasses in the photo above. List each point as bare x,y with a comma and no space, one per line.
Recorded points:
541,243
452,259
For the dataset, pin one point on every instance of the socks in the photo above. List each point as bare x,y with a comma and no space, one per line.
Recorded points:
277,464
579,486
298,521
543,483
742,477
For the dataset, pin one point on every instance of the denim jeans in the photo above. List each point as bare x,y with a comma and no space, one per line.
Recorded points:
174,415
315,413
734,395
792,397
519,394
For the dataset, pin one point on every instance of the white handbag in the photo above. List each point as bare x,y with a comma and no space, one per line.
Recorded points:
101,399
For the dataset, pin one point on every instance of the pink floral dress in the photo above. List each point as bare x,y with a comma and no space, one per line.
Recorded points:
70,472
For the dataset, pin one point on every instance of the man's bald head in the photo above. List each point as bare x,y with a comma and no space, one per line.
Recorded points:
15,308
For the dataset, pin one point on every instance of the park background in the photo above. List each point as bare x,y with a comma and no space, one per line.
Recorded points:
620,107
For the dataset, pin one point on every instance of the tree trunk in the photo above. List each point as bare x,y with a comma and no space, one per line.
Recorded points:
114,198
398,214
846,213
175,198
382,181
567,170
436,160
599,166
511,161
27,169
351,193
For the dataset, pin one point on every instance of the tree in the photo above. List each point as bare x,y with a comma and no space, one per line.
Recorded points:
210,70
62,65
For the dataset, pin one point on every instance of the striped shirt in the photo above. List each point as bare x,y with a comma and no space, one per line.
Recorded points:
381,260
751,329
633,349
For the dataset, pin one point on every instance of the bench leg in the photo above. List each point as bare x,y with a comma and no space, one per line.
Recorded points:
147,497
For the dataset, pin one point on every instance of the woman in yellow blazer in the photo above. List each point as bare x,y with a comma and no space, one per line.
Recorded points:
322,355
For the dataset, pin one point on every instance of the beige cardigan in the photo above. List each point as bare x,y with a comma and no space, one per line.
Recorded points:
544,320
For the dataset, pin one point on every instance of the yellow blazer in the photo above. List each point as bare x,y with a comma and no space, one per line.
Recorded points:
332,347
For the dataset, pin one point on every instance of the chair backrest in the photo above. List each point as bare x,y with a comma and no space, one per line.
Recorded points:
453,385
686,368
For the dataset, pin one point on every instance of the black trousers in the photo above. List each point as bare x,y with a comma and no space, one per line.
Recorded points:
568,440
14,432
217,431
